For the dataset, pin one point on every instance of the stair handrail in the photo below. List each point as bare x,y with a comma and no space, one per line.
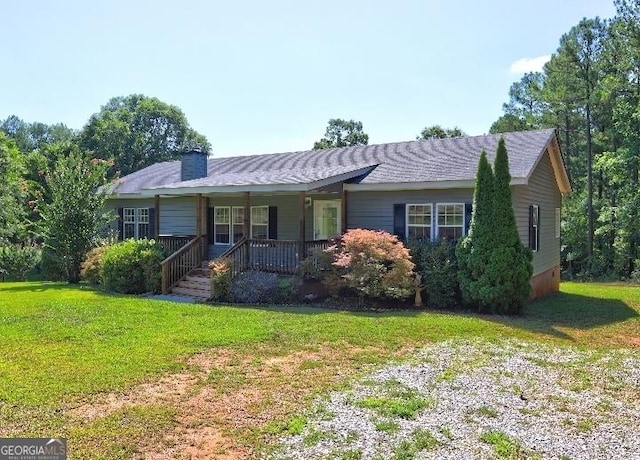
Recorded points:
239,253
180,263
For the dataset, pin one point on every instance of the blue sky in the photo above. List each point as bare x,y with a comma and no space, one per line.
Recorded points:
260,77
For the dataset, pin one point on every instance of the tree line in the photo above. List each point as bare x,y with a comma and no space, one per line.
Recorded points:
53,178
590,92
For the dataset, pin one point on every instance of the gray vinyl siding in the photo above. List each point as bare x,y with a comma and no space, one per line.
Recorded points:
543,192
287,215
374,210
178,216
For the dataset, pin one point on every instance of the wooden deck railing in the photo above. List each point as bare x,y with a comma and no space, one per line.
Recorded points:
171,243
181,262
277,256
238,254
315,245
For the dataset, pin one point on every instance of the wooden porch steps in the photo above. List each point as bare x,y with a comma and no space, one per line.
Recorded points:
196,284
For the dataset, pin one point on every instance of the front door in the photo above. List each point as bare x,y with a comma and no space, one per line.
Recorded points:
327,219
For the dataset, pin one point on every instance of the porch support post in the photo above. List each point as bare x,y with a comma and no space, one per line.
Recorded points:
199,220
198,214
301,226
246,229
156,220
343,210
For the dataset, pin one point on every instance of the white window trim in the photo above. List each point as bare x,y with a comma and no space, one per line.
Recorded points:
232,239
231,223
136,221
215,226
558,220
464,219
535,223
251,224
406,219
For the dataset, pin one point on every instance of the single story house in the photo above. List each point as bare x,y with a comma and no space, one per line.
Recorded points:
267,211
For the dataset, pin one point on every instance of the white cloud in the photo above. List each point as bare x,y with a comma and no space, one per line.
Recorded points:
525,65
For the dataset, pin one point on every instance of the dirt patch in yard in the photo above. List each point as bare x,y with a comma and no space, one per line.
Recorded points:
225,398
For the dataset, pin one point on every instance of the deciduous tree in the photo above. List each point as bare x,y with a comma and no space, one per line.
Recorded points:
73,215
342,133
12,193
136,131
438,132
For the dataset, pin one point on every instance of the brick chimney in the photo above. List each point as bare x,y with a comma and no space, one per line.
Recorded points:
193,164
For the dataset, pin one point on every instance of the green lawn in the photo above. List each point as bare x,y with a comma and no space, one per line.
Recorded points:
61,344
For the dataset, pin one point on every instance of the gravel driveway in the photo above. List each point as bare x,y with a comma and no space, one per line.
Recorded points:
481,400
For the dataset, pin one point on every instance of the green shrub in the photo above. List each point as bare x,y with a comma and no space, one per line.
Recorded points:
132,267
367,262
18,261
52,266
319,266
436,263
635,275
287,289
91,267
221,278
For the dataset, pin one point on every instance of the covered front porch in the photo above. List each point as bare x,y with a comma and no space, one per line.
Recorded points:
264,231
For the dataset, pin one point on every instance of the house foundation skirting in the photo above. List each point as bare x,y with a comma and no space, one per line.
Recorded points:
545,283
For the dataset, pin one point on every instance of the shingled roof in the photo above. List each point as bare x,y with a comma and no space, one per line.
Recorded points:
435,163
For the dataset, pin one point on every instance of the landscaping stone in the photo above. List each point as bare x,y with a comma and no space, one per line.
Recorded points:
510,399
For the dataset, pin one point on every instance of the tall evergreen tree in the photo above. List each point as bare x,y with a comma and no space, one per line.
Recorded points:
474,251
509,270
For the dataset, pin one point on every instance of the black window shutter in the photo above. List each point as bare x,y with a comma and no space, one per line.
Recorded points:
120,224
539,231
210,225
152,223
399,220
273,223
531,232
468,212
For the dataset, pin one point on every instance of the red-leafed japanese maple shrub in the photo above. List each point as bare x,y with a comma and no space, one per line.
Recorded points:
369,263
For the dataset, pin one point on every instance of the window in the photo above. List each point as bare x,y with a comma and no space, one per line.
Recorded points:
142,216
534,227
450,220
557,222
228,223
419,221
260,222
222,225
237,221
135,223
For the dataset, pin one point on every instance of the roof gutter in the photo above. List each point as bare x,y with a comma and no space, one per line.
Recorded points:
431,185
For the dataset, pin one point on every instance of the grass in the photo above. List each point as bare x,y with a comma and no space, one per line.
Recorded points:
503,446
420,440
63,344
404,403
387,426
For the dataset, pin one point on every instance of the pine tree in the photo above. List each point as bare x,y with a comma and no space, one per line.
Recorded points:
509,269
474,251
